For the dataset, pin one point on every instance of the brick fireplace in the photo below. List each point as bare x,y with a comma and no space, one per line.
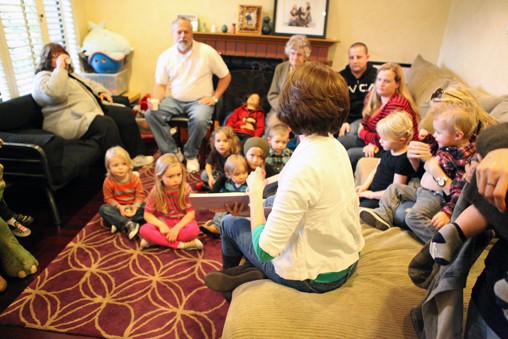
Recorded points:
242,51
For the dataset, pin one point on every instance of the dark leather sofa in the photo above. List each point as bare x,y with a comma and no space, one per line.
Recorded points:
31,155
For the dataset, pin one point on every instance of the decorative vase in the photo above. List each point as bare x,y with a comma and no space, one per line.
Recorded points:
224,28
266,28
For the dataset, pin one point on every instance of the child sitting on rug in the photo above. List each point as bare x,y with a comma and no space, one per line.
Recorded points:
236,170
123,191
223,143
169,214
248,120
278,138
395,132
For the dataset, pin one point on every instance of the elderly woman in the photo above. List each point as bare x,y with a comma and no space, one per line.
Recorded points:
312,239
76,108
298,51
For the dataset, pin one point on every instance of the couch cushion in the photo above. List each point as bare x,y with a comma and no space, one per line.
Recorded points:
500,112
19,114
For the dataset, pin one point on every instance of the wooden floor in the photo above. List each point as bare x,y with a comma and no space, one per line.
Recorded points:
78,203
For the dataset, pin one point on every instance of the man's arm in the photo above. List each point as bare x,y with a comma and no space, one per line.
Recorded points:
159,90
222,85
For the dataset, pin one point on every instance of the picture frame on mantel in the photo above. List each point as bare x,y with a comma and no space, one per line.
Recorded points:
249,19
301,17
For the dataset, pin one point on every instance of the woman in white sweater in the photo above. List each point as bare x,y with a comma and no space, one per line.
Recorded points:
312,239
74,107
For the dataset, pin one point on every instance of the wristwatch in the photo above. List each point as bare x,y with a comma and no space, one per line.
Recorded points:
215,99
441,181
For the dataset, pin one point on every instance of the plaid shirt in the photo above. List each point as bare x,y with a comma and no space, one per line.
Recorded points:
453,161
278,161
230,186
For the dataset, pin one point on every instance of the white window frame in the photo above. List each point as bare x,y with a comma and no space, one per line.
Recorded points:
56,23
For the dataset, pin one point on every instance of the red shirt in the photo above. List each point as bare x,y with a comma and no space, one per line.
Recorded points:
242,115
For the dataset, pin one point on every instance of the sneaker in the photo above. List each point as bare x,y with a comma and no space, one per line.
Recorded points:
142,160
368,216
113,229
192,245
173,131
209,228
179,155
192,165
131,228
19,230
26,220
229,279
145,243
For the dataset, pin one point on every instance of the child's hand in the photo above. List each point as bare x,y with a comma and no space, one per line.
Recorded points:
422,134
366,194
172,234
130,211
370,150
440,219
211,181
125,210
359,189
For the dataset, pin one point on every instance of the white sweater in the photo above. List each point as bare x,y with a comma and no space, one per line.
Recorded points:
67,106
314,226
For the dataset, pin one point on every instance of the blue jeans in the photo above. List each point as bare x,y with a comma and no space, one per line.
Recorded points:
112,216
237,241
476,327
200,116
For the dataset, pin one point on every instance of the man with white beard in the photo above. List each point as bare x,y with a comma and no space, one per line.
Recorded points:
186,69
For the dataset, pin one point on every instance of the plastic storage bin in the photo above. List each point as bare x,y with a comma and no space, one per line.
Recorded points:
116,83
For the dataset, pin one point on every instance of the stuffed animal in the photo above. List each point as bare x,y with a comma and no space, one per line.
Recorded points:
105,49
15,260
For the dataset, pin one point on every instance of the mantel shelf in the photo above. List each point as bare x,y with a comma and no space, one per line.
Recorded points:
264,46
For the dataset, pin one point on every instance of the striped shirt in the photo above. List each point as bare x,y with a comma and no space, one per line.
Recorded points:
130,192
174,210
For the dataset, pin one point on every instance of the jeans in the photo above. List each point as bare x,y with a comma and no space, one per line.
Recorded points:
419,217
476,327
112,216
199,116
237,241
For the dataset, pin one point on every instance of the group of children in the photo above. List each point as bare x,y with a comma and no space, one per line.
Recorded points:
168,212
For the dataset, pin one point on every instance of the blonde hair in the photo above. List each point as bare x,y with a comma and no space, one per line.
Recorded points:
460,95
374,100
230,134
456,117
396,125
279,129
233,162
117,151
161,166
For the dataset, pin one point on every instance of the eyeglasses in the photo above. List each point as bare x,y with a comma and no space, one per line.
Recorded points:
439,93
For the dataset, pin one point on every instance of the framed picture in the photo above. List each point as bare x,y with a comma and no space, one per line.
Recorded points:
193,18
301,17
249,19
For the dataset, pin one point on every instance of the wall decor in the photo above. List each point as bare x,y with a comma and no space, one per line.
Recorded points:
249,19
301,17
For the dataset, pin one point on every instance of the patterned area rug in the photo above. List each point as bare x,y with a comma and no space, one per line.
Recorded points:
104,285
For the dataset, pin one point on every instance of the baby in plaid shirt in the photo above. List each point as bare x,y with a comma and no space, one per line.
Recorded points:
278,138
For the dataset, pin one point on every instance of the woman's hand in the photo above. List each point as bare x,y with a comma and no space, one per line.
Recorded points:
105,96
418,150
345,128
256,183
61,61
370,150
492,177
422,134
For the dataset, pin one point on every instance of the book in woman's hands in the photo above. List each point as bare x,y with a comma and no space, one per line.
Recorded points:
216,201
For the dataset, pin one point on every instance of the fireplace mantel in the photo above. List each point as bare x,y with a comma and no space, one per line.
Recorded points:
261,46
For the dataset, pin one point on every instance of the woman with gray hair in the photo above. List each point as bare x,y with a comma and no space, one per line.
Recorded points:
298,51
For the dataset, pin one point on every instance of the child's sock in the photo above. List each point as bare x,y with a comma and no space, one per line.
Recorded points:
501,292
445,242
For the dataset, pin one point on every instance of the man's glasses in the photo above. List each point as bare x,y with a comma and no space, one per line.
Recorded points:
440,92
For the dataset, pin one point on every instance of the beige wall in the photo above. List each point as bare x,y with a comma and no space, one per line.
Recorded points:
475,44
394,30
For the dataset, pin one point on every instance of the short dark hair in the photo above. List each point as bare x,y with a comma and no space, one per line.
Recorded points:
314,99
360,44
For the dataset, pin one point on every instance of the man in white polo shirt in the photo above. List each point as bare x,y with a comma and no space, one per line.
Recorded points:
186,69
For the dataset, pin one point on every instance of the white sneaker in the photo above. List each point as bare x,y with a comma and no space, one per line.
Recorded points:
192,245
173,131
142,160
113,229
192,165
179,155
145,243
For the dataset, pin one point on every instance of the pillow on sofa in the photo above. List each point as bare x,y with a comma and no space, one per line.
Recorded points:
500,112
423,79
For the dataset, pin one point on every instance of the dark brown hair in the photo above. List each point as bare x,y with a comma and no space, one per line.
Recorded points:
314,99
45,59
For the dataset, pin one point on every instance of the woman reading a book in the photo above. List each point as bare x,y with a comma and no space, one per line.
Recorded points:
311,241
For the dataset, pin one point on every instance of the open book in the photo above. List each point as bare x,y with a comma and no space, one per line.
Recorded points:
216,201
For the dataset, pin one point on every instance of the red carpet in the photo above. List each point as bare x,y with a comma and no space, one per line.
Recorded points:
104,285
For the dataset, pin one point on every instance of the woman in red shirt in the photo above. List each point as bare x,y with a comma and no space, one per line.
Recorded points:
388,95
